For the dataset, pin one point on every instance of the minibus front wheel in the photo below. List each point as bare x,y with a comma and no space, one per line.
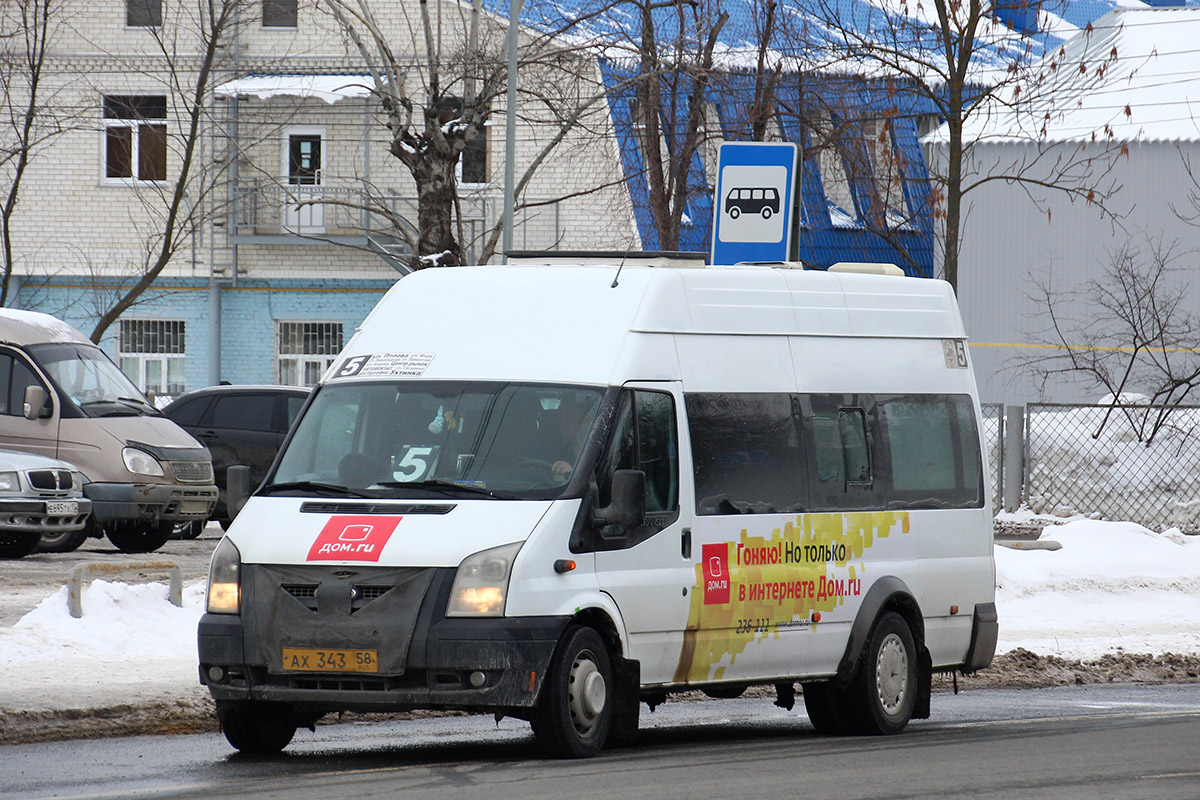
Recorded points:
254,727
574,711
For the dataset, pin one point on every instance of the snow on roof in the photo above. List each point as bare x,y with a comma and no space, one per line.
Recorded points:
33,327
330,88
1135,76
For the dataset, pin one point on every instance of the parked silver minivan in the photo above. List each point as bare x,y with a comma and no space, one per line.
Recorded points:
63,397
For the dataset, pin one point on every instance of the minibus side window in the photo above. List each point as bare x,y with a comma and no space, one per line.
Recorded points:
842,461
933,446
658,449
748,453
644,437
856,454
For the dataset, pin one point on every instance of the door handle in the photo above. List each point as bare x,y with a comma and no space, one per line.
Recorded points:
207,435
685,543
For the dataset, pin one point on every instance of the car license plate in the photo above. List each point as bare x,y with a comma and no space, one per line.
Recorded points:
193,507
62,508
308,659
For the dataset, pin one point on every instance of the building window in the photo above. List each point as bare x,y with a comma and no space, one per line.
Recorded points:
713,133
152,353
473,168
831,163
279,13
143,13
306,349
887,170
135,147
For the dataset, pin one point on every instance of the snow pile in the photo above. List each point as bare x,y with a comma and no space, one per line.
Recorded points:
131,645
1113,587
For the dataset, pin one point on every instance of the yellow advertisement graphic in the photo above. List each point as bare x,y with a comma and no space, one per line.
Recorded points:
750,589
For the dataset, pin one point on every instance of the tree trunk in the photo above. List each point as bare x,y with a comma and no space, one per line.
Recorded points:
436,192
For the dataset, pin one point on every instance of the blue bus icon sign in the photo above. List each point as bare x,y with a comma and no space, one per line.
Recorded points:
753,203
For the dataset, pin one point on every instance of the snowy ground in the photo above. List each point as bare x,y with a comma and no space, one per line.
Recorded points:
1113,588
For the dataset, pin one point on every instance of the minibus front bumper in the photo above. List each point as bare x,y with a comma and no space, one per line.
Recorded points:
393,619
494,665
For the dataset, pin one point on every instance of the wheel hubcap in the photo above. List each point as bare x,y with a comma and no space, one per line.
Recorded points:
891,674
587,693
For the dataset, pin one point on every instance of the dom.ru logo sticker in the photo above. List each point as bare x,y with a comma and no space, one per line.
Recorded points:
353,538
716,573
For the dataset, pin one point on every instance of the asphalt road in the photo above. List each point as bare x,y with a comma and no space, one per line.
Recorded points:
1107,741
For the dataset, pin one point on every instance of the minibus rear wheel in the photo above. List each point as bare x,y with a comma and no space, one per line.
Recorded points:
826,707
574,711
884,689
254,727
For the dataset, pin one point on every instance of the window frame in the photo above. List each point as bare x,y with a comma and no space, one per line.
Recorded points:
166,357
294,7
149,6
138,125
301,358
486,151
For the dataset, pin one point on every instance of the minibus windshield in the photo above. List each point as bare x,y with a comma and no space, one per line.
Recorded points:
91,380
444,438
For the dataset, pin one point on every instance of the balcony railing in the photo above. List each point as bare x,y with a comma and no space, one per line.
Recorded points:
266,211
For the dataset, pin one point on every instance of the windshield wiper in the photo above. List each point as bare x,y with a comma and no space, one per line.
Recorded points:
139,403
119,409
314,486
439,485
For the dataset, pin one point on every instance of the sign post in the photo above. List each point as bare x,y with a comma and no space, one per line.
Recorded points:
752,210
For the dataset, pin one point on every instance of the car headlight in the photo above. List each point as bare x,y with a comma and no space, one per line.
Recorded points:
10,482
139,462
224,579
481,583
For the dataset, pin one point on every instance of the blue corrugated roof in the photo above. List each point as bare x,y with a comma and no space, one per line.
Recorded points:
827,234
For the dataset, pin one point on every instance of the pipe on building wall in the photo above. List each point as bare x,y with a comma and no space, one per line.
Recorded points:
214,333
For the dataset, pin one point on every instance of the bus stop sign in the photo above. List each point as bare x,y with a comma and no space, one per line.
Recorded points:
752,219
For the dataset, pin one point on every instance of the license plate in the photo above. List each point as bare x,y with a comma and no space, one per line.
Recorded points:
62,508
307,659
193,507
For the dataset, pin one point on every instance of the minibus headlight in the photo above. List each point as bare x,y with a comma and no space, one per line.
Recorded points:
481,583
224,579
139,462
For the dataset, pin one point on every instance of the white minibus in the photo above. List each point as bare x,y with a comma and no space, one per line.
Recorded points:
558,492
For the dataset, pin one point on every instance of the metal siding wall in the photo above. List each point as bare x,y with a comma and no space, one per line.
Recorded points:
1006,238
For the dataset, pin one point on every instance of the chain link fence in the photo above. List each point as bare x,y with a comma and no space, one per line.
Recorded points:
1094,460
993,438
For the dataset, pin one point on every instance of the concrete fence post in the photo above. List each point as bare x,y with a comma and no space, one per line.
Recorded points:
86,571
1014,457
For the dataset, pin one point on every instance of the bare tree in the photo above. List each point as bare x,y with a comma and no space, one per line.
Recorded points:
436,100
676,71
1131,331
30,120
190,48
955,58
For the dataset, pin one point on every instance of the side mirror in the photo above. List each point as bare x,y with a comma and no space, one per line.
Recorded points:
237,488
35,403
627,506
